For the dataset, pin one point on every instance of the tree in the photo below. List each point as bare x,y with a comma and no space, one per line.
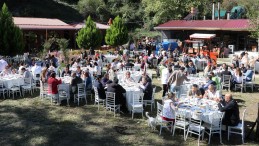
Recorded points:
11,37
89,36
90,7
63,45
117,34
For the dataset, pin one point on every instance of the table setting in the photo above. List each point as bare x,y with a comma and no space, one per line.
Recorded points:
10,80
200,109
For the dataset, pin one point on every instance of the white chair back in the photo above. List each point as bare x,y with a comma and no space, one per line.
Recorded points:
110,99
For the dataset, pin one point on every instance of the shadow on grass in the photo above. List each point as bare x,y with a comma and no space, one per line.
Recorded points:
34,126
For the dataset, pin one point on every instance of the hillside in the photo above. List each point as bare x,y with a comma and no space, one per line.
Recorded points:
45,8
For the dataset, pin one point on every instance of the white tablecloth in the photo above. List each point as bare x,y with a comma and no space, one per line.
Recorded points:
66,79
135,75
109,58
11,80
204,109
130,90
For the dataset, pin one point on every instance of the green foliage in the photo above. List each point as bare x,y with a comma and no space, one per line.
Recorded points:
11,38
89,36
161,11
63,45
117,34
90,7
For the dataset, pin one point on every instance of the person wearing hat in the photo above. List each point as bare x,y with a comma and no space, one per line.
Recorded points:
176,80
113,86
98,84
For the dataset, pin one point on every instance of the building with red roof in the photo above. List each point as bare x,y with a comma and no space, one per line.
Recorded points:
44,28
230,32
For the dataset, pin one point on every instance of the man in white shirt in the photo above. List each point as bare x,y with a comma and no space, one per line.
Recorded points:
36,69
212,93
3,64
166,72
26,73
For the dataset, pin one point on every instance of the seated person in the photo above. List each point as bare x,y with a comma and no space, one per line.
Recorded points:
100,87
230,107
66,72
26,73
128,64
206,85
147,89
14,71
225,72
128,79
54,85
249,74
74,81
113,86
105,79
243,68
194,92
191,69
6,71
237,78
87,81
212,93
169,108
78,71
144,75
216,80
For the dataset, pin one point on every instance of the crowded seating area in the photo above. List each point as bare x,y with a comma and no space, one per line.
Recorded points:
192,99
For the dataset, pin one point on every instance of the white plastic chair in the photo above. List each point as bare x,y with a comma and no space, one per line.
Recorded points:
27,85
50,95
43,89
240,86
137,104
249,84
160,121
181,121
226,81
152,101
80,94
63,93
155,61
214,126
110,103
196,128
240,127
3,90
15,90
97,98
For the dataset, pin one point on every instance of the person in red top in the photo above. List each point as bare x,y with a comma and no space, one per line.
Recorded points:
54,83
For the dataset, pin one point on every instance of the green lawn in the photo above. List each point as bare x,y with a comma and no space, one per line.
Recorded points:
33,121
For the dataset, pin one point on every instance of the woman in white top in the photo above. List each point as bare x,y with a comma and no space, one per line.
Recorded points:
169,108
212,93
237,78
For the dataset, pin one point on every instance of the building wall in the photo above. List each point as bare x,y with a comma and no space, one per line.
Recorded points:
240,40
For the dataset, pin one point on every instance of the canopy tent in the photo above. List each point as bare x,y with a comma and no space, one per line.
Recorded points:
202,36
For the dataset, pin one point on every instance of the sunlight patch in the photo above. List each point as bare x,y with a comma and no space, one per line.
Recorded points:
38,140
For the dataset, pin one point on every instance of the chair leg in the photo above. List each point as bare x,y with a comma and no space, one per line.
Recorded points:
132,115
228,133
160,129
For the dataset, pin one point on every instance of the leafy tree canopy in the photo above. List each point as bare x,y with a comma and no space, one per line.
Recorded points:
89,36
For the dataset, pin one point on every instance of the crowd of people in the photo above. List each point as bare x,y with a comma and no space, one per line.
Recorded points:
173,69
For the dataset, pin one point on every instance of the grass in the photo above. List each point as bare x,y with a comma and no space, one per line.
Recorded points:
32,121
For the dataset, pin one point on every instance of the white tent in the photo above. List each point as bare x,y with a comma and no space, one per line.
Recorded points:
202,36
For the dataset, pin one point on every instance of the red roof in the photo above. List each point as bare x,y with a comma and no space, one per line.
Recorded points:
40,23
231,25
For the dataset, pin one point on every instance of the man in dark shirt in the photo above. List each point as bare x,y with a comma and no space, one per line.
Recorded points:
230,107
75,80
100,87
118,90
148,89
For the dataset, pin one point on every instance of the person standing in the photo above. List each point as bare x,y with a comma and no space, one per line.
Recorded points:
166,72
176,80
